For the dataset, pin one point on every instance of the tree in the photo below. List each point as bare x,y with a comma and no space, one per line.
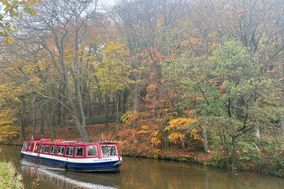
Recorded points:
234,97
59,28
111,72
180,127
11,9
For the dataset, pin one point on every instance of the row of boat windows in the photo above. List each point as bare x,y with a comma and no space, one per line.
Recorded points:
79,151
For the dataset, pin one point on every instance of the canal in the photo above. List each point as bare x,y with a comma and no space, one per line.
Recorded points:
137,174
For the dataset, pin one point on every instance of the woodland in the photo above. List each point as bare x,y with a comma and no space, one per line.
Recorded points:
189,80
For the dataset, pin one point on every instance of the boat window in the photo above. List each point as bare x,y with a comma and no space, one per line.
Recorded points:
79,151
53,150
61,150
36,148
41,148
25,146
30,147
46,149
92,151
109,150
69,151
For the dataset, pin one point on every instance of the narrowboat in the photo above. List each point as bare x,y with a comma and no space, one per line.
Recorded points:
74,155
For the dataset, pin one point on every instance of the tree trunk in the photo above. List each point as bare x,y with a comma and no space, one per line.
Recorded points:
183,143
22,121
34,120
257,132
165,136
53,133
136,98
42,122
113,104
81,129
89,104
234,155
62,114
205,139
282,114
225,147
282,128
106,113
100,104
50,120
117,111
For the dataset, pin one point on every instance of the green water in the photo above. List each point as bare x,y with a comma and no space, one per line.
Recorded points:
138,174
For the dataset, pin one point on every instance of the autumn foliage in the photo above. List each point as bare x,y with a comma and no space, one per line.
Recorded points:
160,77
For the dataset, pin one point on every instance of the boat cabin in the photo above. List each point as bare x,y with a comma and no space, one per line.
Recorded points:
72,149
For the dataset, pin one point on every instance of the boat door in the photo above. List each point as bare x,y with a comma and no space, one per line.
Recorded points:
37,150
69,153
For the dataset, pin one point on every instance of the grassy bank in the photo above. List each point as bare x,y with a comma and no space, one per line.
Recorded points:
9,177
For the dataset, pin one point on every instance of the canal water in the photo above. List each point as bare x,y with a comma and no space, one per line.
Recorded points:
137,174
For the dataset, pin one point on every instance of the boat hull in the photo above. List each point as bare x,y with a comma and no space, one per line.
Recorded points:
82,165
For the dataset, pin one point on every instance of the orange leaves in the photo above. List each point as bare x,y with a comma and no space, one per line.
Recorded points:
129,117
155,139
150,134
152,87
175,137
159,57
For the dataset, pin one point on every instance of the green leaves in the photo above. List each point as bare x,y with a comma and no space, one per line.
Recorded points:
30,10
112,72
230,94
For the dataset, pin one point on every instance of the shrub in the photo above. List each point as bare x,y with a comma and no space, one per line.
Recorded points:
9,178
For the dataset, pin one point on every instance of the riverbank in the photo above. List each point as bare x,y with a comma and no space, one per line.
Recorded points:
131,147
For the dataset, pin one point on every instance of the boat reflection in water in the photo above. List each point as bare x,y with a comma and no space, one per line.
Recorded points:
56,177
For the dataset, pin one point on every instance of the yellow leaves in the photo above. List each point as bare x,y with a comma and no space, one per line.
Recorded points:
35,81
7,128
150,134
6,117
179,124
10,93
176,137
194,134
115,48
9,131
112,70
155,141
8,40
179,128
129,117
212,58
